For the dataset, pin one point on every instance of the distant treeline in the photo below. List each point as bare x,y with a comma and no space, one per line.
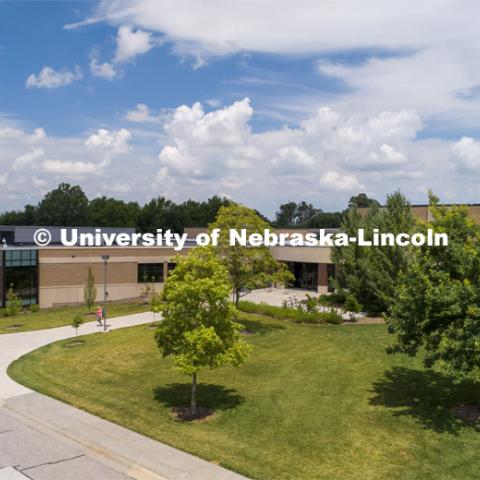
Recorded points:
68,205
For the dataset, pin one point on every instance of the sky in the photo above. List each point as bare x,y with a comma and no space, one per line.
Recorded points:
262,101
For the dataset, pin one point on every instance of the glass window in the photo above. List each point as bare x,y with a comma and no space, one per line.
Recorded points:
150,272
20,258
23,281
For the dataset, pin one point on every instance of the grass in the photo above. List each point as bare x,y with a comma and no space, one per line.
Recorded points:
58,317
312,402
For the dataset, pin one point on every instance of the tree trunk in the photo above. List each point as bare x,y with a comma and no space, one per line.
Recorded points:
193,400
237,297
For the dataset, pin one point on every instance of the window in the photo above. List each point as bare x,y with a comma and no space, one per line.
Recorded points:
8,236
23,281
19,272
331,276
150,272
20,258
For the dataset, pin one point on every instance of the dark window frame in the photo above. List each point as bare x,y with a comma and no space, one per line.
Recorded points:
150,273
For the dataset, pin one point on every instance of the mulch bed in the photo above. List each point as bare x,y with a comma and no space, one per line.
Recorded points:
74,343
467,413
365,321
185,414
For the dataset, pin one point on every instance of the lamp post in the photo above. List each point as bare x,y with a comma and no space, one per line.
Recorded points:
105,259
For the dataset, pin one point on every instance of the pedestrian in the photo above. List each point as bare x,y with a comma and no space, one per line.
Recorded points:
99,315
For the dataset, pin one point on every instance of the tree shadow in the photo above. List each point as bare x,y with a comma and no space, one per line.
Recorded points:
254,326
209,395
427,396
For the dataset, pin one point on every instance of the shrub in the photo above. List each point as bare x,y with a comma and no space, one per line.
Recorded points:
13,304
335,299
352,306
333,318
293,314
34,308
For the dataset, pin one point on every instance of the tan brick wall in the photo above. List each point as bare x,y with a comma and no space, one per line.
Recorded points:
63,272
302,254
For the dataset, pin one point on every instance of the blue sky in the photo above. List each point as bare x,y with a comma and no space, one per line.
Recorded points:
262,101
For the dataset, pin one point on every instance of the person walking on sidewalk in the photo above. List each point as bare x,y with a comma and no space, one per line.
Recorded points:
99,314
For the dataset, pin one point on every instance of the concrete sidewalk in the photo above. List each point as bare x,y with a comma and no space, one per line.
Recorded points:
44,439
14,345
276,296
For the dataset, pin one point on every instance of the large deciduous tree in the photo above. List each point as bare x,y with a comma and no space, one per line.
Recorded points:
199,327
371,274
437,304
66,205
249,267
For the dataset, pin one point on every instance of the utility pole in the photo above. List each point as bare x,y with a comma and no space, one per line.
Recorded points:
105,259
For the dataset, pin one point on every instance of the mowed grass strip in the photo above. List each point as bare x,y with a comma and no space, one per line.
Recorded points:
57,317
311,402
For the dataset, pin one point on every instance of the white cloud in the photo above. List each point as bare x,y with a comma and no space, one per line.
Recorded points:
466,154
69,169
305,26
218,151
50,78
115,142
27,159
131,43
104,70
38,135
408,55
324,159
142,114
34,163
10,133
341,182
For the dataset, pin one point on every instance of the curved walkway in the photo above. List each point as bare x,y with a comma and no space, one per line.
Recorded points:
44,439
14,345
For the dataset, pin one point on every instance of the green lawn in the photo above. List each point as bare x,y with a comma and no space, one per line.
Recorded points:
57,317
312,402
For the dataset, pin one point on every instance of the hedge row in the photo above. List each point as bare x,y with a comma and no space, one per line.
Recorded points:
297,316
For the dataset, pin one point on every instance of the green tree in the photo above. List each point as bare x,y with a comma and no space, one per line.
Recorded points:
352,306
437,305
154,214
249,267
90,291
372,274
362,201
155,305
66,205
109,212
199,329
77,321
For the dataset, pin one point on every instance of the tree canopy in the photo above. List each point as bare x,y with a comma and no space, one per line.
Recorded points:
436,306
249,267
372,274
199,327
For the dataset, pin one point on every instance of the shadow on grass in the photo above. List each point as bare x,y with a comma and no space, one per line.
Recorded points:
254,326
75,342
216,397
427,396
